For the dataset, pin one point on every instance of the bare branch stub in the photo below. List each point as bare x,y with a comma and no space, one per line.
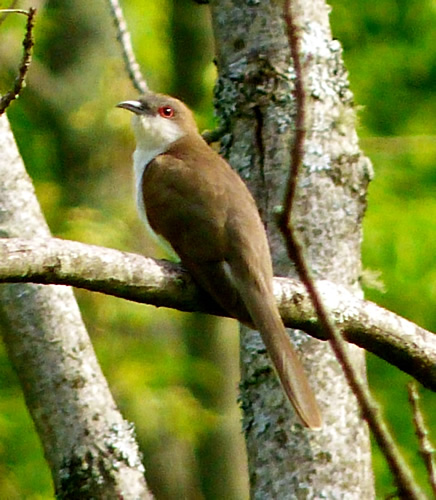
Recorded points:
28,43
211,136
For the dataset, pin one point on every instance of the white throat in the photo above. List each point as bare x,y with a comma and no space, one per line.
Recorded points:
154,135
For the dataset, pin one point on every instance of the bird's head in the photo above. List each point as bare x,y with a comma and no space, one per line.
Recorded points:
159,120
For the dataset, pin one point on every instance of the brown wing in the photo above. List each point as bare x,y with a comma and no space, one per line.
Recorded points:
191,211
200,206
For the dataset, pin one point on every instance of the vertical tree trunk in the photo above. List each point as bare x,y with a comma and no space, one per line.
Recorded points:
255,99
90,449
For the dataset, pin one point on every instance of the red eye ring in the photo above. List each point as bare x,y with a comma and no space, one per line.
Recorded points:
166,111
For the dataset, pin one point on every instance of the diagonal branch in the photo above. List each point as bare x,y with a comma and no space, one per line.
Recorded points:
164,284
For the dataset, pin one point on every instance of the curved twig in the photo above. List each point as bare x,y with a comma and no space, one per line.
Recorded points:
28,43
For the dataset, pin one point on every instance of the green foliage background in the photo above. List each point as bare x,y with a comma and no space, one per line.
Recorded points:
175,375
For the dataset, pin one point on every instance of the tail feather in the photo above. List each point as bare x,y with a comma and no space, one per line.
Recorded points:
265,315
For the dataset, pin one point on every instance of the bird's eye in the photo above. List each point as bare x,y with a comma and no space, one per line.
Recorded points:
166,111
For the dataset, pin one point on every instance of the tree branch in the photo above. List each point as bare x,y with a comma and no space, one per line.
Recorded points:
163,284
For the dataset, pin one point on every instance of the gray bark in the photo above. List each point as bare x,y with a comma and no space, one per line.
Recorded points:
90,449
255,99
164,284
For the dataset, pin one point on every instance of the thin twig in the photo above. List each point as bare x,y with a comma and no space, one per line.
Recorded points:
300,129
123,36
403,478
4,12
25,61
8,10
425,447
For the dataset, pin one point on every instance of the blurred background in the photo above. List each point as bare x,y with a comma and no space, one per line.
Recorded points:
173,374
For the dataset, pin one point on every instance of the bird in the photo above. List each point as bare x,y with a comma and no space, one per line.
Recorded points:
189,195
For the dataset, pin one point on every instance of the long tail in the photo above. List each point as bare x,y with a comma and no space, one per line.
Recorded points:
265,315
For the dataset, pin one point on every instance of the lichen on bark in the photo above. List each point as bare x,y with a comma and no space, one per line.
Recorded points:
255,98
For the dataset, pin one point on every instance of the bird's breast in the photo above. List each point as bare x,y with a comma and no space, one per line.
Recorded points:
141,160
